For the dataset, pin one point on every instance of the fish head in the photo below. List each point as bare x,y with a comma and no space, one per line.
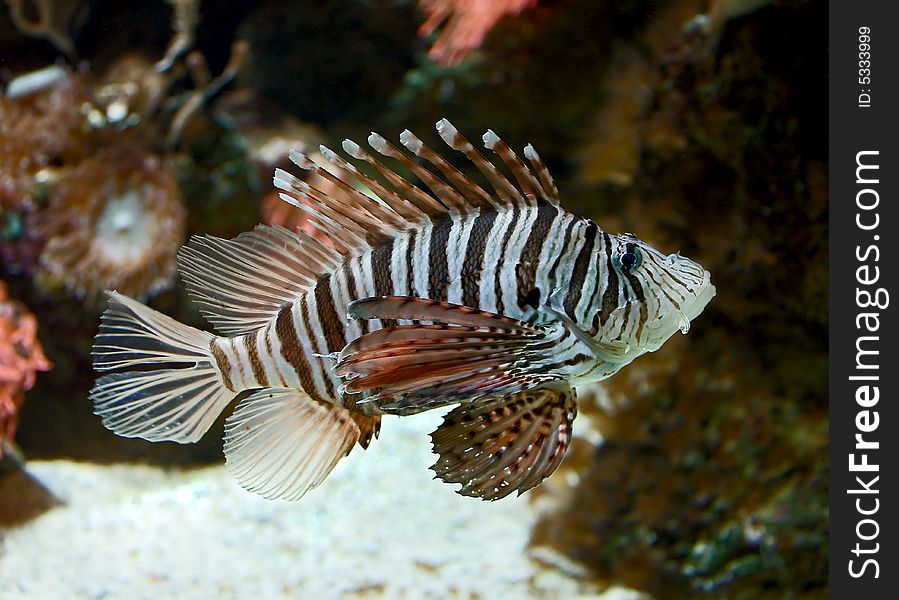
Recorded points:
657,295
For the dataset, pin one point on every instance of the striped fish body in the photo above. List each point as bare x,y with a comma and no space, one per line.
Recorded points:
504,262
498,302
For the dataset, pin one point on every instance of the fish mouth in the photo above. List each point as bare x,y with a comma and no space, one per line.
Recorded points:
657,334
705,292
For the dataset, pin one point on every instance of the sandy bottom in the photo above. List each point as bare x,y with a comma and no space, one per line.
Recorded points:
379,527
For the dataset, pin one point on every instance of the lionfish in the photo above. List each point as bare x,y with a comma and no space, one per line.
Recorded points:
419,297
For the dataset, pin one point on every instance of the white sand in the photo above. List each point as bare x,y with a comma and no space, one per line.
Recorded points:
378,527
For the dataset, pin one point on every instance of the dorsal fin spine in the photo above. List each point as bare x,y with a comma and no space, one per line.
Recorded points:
500,184
242,283
377,208
522,174
413,194
451,198
417,207
551,192
344,215
471,190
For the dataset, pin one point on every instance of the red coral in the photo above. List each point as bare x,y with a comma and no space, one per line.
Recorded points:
21,356
466,24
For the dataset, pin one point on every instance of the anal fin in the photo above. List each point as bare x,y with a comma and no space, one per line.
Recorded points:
504,444
280,443
369,428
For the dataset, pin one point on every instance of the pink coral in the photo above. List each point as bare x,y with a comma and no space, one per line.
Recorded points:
21,356
465,24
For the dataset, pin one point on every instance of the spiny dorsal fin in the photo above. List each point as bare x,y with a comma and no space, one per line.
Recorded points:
398,204
241,284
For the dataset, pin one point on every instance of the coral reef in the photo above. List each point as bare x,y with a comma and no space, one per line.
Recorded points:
114,222
712,478
21,357
63,133
104,169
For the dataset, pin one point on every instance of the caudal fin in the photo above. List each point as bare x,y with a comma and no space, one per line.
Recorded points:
166,385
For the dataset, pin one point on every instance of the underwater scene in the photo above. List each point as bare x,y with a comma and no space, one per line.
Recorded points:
413,299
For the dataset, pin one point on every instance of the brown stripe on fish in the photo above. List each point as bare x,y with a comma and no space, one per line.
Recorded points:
399,266
353,286
410,265
473,264
380,269
314,336
456,250
610,294
242,378
250,342
438,262
380,259
675,279
222,362
650,272
577,359
581,263
420,267
563,249
595,274
641,298
529,259
269,334
565,352
331,323
293,351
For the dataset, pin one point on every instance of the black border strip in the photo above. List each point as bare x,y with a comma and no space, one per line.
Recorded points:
864,365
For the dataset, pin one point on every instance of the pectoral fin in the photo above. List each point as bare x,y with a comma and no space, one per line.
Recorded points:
465,354
604,351
509,443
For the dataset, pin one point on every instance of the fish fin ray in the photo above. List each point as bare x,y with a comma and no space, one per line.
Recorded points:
280,443
550,191
423,309
528,183
509,194
156,404
504,444
242,283
409,368
387,212
369,428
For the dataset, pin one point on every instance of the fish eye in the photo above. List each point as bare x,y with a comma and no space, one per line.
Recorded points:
630,261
